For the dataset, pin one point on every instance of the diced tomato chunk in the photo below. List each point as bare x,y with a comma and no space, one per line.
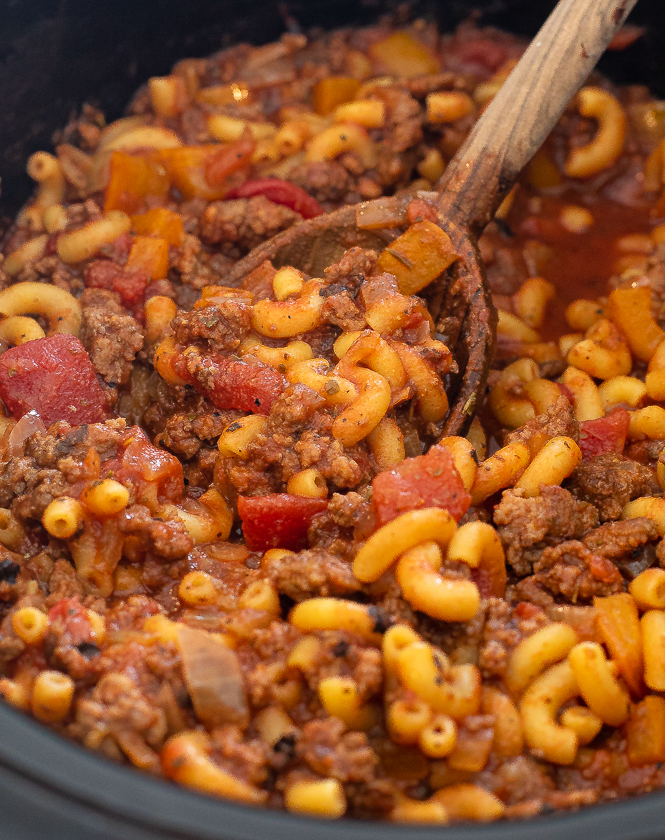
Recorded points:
230,383
129,284
228,159
526,610
55,377
420,210
68,618
141,463
480,51
604,435
279,192
604,570
429,480
101,274
280,520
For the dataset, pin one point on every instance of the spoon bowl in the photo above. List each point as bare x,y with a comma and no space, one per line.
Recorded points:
475,182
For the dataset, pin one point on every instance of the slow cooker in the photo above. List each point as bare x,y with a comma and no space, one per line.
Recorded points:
55,55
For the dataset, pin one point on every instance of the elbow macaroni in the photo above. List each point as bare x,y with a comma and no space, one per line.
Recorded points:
428,591
539,707
351,370
607,145
403,533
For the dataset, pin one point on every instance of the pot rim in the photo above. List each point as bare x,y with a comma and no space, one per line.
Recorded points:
82,779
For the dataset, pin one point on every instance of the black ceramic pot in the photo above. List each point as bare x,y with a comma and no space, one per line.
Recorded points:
55,55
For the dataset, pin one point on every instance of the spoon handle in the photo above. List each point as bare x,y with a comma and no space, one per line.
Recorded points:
526,108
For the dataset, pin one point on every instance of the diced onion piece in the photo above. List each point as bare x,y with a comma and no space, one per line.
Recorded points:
386,212
213,676
26,426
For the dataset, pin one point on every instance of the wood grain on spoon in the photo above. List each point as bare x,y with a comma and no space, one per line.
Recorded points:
475,182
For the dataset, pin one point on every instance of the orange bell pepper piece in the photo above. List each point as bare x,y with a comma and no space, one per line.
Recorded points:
161,222
185,167
333,91
645,731
418,256
133,178
630,310
401,55
201,171
619,627
149,254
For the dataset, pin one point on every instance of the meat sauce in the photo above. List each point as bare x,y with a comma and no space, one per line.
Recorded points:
579,266
235,549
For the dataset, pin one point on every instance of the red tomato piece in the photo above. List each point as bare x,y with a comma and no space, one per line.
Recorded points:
525,610
429,480
279,192
228,159
483,51
280,520
230,383
143,463
55,377
129,284
68,618
420,210
604,435
604,570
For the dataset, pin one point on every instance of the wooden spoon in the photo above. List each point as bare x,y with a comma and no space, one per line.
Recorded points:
475,182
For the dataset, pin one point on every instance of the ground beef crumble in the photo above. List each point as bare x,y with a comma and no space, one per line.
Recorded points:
242,224
611,481
110,335
527,525
227,412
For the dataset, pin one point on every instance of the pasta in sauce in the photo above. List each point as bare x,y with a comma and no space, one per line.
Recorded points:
236,550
